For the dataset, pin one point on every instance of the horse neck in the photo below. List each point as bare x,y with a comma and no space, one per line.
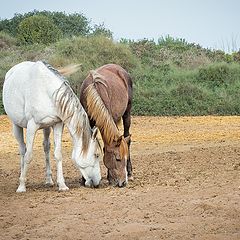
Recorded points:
108,137
72,113
98,111
80,140
77,144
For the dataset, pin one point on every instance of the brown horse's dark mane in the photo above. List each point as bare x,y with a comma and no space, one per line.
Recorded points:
99,112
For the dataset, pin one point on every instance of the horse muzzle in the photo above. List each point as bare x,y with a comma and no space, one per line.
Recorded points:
92,183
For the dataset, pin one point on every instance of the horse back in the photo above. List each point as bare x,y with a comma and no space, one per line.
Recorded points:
114,86
27,93
120,72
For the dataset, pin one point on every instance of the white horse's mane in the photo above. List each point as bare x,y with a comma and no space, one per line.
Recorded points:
70,109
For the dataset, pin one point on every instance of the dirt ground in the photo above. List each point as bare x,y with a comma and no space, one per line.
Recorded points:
186,186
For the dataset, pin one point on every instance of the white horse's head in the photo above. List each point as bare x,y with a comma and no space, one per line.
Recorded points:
86,149
87,160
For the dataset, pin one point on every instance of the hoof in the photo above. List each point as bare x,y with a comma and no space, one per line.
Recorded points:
49,183
130,178
63,189
122,184
21,189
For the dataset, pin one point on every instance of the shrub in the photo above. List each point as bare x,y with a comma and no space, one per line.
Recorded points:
92,52
75,24
176,44
10,25
102,30
38,29
215,74
236,56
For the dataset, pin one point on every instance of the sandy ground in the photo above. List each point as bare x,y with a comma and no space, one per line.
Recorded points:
187,178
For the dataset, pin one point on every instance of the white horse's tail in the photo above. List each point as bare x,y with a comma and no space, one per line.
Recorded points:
70,69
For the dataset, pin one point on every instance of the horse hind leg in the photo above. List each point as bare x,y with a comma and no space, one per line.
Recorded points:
126,124
46,147
129,163
18,133
27,157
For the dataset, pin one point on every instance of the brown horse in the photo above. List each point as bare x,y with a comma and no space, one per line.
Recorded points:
106,95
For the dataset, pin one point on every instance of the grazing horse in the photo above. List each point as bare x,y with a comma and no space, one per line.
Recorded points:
106,95
36,96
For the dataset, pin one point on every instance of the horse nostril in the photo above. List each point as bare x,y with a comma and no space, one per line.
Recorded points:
97,185
89,184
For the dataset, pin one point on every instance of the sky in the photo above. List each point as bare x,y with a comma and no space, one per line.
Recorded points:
213,24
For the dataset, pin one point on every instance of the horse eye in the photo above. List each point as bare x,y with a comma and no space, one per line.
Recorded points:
118,159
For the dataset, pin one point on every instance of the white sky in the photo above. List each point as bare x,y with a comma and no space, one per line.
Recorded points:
211,23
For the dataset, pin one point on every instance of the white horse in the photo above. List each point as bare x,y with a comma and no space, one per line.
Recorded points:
36,96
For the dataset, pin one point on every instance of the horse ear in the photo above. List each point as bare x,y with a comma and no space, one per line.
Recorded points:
119,141
95,132
91,73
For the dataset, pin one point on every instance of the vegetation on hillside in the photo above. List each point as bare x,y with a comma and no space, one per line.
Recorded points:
171,76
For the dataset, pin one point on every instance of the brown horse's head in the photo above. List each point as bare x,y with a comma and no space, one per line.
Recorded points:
115,159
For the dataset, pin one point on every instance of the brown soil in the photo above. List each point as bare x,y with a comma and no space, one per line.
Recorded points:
186,186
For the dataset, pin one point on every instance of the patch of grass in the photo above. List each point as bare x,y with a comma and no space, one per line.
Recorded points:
91,52
181,92
7,41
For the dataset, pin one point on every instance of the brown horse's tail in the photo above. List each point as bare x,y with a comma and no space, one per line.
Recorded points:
99,113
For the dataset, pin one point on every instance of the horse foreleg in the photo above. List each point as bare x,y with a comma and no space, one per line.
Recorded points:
46,147
126,124
57,133
25,161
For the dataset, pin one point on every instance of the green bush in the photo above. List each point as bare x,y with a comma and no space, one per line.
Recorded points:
10,25
236,56
176,44
169,51
181,92
38,29
101,30
75,24
91,52
216,75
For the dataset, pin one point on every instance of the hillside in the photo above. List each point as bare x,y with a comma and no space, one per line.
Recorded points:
171,76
